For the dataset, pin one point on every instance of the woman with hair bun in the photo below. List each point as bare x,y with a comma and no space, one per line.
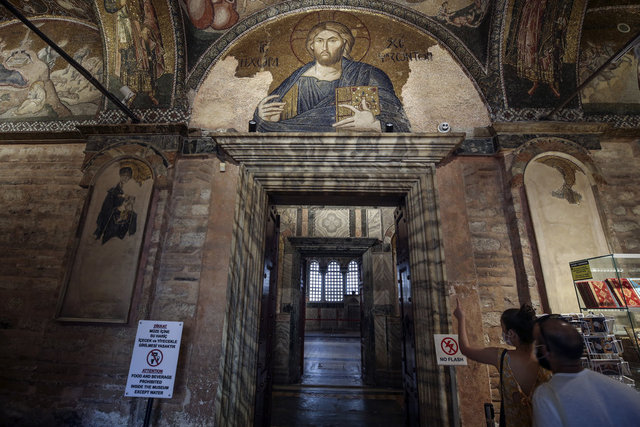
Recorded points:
520,372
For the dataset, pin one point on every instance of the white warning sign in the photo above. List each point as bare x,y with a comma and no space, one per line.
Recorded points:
448,350
155,357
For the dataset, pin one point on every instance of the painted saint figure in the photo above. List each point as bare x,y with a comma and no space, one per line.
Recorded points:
117,217
306,100
140,52
537,49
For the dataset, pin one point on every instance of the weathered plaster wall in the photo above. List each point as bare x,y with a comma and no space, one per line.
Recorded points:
566,229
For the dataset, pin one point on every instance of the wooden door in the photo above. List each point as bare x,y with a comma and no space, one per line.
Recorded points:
409,376
262,414
302,313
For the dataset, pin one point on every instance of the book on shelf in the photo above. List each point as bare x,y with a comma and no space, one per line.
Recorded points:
624,292
635,284
597,294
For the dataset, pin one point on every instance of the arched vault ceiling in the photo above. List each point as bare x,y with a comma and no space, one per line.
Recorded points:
574,38
473,55
78,9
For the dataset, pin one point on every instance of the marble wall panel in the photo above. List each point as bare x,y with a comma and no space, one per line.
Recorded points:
331,223
288,220
383,279
374,223
281,350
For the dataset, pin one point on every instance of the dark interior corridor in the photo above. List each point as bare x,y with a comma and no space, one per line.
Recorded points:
331,392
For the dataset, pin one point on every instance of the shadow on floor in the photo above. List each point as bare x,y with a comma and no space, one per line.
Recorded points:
331,392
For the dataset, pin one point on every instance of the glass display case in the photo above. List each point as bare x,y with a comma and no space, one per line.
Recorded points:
608,287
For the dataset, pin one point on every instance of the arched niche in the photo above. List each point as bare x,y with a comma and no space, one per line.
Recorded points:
566,221
102,275
430,84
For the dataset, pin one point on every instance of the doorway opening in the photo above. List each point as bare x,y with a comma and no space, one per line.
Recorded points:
339,326
332,337
370,170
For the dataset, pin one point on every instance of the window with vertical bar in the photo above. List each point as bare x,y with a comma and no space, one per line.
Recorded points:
352,279
333,283
315,282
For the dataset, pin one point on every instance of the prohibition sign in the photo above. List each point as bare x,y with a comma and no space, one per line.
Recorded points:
154,357
449,346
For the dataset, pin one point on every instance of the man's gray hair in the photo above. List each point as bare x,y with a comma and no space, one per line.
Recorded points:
342,30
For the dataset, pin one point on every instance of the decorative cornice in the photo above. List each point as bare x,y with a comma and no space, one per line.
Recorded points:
134,129
332,246
342,150
515,134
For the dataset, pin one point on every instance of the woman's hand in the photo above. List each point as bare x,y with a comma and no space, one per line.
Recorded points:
458,312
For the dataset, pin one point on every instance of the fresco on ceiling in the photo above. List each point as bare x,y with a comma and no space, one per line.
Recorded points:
540,52
80,9
616,89
36,83
469,20
328,71
206,20
141,62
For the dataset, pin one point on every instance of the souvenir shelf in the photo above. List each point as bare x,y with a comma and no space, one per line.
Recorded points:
603,350
608,292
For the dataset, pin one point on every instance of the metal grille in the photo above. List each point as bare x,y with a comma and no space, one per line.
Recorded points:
333,286
315,282
352,279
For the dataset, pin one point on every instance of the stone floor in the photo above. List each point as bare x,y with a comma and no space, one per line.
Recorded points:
331,392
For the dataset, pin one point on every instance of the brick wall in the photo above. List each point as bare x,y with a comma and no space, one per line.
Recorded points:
620,194
75,374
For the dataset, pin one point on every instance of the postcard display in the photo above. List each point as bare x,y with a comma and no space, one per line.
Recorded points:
608,292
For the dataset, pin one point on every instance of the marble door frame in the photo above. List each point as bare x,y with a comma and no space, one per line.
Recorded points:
358,166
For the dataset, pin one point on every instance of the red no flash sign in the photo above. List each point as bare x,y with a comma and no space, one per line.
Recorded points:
448,350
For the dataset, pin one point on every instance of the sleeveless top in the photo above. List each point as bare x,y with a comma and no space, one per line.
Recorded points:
517,404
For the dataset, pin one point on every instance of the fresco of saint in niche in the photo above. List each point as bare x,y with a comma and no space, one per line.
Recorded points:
103,274
541,50
141,68
117,217
332,92
36,84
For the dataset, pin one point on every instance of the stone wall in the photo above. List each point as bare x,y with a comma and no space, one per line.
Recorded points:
75,374
192,282
620,193
479,267
489,255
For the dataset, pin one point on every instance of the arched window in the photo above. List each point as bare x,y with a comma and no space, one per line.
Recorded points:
315,282
333,283
352,278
